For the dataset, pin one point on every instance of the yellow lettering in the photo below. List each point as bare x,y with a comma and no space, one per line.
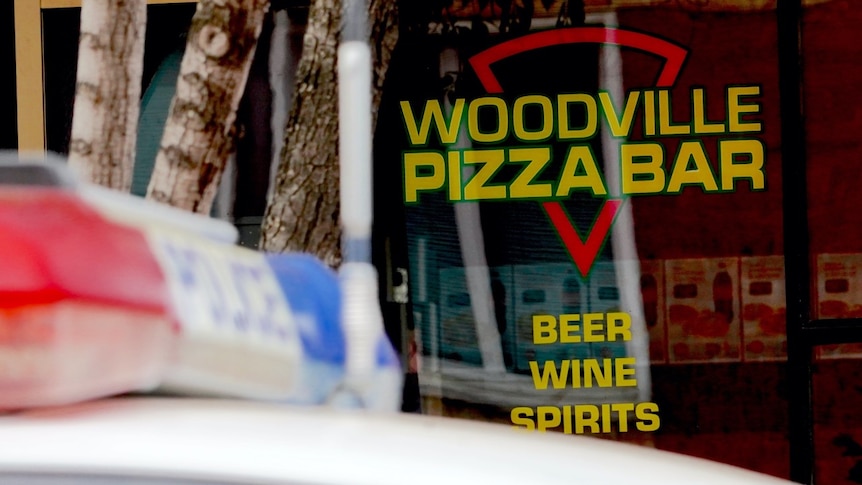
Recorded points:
737,108
565,132
521,416
602,374
446,129
606,418
586,415
576,373
649,113
414,182
518,122
523,187
580,156
620,126
733,169
454,175
638,176
476,188
569,331
666,126
691,167
625,376
593,328
701,126
558,378
622,409
646,413
549,417
619,325
544,329
502,120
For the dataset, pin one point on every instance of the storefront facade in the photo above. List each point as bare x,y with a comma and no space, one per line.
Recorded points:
633,219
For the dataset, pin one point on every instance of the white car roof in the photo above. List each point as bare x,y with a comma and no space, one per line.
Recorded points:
250,442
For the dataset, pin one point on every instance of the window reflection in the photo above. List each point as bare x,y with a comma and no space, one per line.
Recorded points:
515,325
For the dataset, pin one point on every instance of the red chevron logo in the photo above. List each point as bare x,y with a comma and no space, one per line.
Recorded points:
582,251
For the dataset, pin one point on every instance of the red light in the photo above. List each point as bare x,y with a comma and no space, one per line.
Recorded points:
83,304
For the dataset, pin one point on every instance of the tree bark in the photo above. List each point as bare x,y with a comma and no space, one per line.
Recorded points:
303,212
198,136
108,91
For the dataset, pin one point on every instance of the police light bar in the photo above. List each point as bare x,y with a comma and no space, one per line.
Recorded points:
104,293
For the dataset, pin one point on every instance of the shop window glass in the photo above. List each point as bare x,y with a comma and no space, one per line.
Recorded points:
592,207
837,399
832,106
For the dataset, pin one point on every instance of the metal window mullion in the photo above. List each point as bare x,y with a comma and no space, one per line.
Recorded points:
830,332
796,242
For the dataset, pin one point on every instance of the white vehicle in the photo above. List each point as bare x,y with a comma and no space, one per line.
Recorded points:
188,441
54,352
